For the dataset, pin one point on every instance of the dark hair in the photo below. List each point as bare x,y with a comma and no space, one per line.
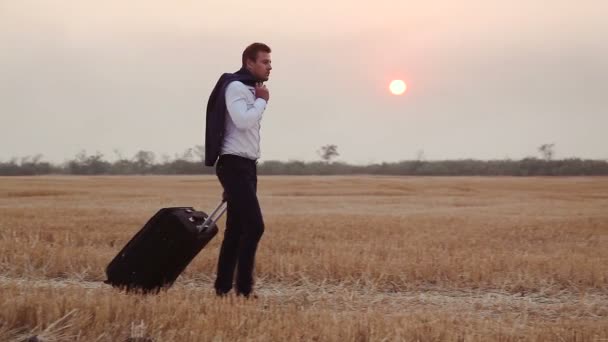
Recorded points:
251,52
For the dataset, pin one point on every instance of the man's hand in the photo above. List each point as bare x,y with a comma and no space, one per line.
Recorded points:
261,91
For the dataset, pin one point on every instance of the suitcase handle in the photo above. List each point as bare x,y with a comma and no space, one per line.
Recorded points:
212,218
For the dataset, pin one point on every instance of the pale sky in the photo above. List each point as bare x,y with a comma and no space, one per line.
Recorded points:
486,79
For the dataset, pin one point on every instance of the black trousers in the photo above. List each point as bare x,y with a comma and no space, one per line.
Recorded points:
244,224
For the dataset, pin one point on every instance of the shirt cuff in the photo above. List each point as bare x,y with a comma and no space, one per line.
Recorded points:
260,103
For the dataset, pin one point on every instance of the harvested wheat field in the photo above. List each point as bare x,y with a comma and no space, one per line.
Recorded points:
358,258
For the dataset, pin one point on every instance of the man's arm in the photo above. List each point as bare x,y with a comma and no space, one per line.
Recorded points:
243,118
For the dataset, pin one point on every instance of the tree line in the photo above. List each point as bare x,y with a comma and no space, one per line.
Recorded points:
191,163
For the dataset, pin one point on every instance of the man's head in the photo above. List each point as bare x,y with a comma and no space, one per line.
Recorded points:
256,59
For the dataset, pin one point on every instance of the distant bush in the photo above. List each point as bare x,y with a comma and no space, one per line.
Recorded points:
27,166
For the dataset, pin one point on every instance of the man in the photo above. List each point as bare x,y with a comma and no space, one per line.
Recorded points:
234,112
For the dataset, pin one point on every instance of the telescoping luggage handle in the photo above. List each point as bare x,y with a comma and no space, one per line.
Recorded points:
214,216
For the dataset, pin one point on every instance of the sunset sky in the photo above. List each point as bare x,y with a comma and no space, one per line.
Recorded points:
486,79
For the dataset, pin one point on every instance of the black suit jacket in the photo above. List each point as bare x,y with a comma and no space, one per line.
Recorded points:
216,113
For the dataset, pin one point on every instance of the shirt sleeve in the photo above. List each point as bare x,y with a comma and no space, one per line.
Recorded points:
236,103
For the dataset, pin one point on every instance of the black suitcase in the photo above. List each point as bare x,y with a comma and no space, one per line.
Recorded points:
162,249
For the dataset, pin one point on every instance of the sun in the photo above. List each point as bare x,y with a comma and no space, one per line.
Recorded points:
397,87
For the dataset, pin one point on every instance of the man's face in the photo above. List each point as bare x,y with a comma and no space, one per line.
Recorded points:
260,68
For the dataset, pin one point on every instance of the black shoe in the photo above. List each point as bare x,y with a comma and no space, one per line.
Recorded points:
248,295
221,293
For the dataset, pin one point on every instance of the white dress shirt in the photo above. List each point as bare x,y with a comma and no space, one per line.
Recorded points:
242,135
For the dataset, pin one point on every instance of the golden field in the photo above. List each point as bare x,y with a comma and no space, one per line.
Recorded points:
357,258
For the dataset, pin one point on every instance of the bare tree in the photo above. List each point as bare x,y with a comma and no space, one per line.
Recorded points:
165,158
119,155
420,156
199,152
547,151
144,159
328,152
188,154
